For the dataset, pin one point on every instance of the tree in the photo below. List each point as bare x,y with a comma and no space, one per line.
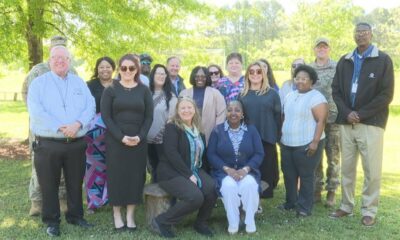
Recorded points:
94,28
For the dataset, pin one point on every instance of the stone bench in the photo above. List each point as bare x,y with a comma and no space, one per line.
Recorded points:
156,200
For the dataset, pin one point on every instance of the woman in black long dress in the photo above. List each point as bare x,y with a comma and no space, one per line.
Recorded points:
127,109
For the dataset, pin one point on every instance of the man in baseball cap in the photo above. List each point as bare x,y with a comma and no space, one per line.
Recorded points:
145,63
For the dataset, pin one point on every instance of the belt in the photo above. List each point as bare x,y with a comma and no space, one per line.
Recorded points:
61,140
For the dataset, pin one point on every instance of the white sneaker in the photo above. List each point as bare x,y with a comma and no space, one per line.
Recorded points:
251,228
233,230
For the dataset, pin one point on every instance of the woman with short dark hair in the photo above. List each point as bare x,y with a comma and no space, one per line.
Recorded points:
302,141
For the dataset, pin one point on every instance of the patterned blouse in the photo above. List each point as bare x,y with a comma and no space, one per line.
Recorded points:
230,90
236,136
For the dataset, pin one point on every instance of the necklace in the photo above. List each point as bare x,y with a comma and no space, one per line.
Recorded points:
63,98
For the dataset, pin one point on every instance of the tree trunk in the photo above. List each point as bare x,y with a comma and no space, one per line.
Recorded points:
35,31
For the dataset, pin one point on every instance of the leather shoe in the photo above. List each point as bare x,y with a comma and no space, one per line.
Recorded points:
131,229
80,222
120,229
203,229
368,221
339,214
161,229
53,231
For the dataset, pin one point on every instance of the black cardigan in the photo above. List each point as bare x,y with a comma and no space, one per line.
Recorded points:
175,160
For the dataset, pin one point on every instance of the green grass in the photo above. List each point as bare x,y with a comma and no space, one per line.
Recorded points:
272,224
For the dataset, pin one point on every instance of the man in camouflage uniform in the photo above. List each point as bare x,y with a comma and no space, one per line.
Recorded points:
35,194
326,68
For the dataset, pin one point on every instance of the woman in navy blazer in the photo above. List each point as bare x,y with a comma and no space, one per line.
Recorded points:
235,153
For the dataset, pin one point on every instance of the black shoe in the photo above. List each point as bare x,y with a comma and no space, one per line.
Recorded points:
53,231
80,222
131,229
120,229
283,207
203,229
161,229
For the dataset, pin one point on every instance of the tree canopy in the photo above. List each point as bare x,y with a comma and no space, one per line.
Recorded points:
200,34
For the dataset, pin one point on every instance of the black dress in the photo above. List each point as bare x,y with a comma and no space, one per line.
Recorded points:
126,112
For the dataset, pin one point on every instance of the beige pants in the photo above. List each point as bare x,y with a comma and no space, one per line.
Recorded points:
367,141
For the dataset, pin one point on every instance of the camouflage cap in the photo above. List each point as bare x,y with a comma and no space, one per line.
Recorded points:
321,40
145,56
58,41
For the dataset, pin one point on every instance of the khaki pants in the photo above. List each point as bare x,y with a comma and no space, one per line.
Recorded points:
367,141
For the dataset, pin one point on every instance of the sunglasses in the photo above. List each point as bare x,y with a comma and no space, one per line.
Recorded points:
253,72
214,73
126,68
145,62
296,65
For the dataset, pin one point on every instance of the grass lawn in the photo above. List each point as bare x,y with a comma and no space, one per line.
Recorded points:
272,224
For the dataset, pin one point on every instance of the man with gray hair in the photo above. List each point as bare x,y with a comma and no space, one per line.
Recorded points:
362,88
35,194
60,108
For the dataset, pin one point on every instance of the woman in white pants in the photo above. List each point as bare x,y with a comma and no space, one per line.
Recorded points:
235,153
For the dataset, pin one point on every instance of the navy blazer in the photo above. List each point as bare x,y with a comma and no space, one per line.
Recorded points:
220,153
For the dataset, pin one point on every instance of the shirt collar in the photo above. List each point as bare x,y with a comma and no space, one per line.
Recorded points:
242,126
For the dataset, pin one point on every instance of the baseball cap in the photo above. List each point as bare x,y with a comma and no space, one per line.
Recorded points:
58,41
321,40
145,58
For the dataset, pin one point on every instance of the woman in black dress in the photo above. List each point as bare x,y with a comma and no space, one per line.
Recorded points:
127,109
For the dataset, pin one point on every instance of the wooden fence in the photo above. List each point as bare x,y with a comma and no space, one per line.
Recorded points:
11,96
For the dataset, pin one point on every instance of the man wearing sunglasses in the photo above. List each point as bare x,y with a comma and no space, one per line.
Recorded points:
362,88
289,85
145,64
326,68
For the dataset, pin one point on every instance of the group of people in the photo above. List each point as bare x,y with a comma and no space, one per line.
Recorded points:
216,139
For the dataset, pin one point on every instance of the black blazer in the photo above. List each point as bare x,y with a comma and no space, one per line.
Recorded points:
175,160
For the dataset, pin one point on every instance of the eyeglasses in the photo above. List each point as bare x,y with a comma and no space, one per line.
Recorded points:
296,65
58,58
253,72
126,68
361,32
200,77
214,73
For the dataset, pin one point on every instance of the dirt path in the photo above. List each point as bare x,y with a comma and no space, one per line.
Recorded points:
14,149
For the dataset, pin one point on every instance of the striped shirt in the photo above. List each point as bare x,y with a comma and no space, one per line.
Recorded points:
299,126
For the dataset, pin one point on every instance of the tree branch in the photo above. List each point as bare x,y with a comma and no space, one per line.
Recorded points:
57,28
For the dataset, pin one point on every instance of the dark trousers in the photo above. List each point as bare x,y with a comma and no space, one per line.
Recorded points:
50,158
154,153
296,165
190,198
269,169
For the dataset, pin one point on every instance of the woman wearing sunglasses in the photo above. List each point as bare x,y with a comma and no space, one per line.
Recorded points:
127,110
215,73
208,100
263,108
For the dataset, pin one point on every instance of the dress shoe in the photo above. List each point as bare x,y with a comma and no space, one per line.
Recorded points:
368,221
120,229
330,199
339,214
131,229
161,229
53,230
80,222
203,229
36,208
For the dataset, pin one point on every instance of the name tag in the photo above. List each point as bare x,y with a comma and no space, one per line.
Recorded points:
354,88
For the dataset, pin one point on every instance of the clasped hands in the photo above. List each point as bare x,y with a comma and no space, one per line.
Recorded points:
131,141
70,130
236,174
353,117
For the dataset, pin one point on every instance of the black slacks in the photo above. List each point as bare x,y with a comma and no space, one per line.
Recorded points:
154,153
269,169
50,158
190,198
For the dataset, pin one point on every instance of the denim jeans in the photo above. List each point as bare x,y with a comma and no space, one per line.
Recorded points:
297,166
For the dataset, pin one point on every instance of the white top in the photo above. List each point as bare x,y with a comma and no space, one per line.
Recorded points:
299,125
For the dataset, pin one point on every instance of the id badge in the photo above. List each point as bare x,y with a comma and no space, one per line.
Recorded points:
354,88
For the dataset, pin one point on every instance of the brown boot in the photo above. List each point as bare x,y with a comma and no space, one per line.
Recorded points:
36,208
317,197
330,199
63,206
